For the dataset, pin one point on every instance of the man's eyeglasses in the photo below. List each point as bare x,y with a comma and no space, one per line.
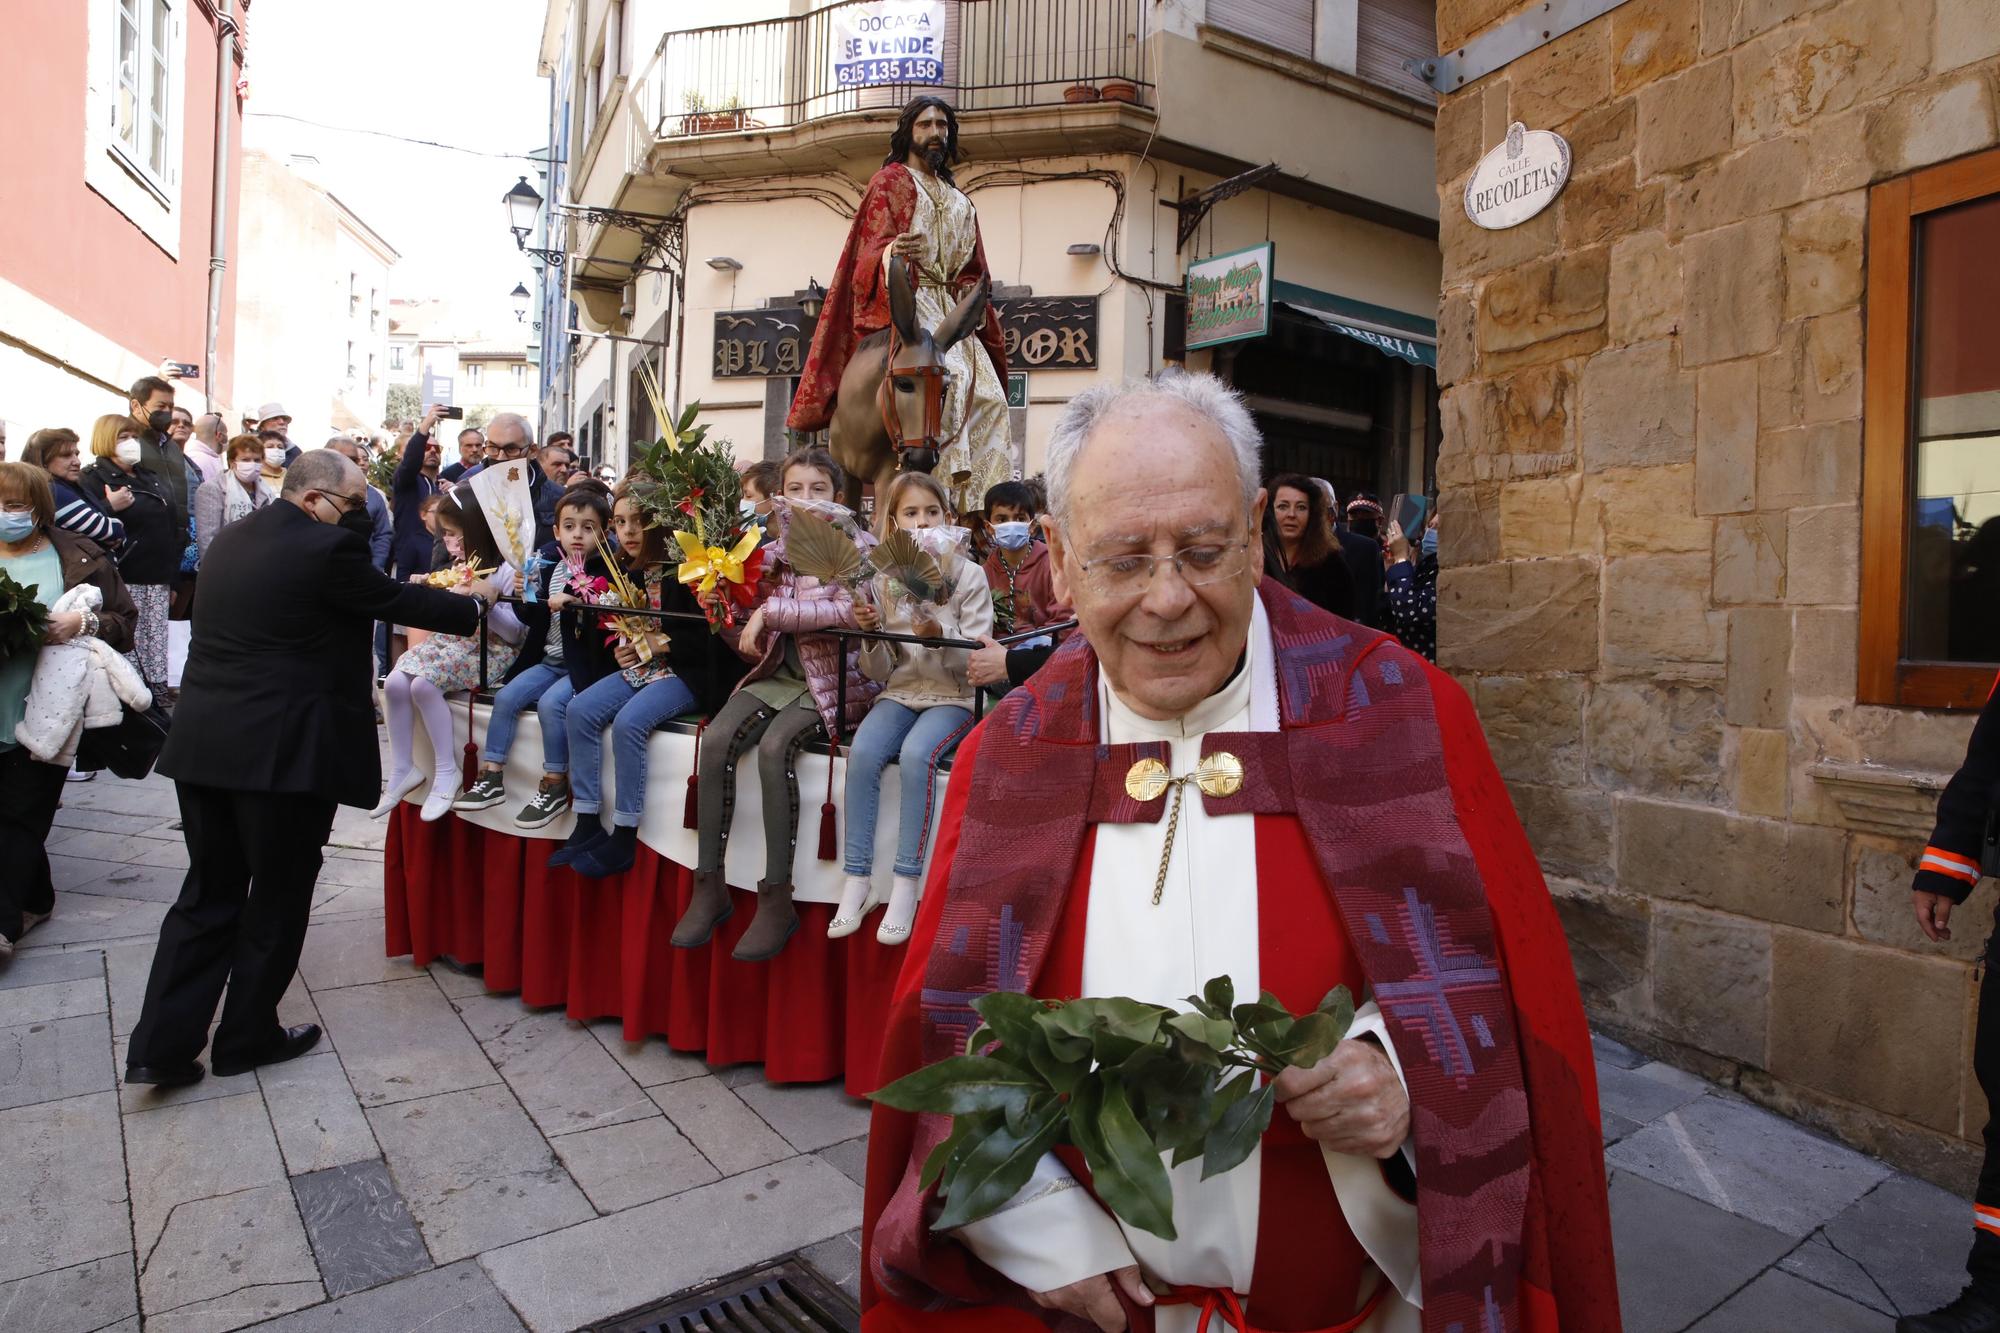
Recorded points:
347,504
1130,574
509,450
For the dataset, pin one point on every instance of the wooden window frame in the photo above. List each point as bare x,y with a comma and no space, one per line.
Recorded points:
1885,675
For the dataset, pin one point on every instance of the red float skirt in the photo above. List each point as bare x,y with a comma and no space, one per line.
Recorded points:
600,948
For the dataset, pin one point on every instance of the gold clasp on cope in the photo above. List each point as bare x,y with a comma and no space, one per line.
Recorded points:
1219,774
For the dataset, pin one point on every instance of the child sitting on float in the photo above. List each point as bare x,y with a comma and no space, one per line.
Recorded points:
790,697
924,711
447,663
554,659
660,671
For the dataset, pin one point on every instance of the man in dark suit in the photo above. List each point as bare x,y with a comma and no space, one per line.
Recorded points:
275,729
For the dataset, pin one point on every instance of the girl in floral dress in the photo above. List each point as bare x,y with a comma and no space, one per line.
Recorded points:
447,663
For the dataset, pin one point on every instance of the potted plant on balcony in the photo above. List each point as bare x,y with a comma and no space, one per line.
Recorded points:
1118,90
1080,92
703,119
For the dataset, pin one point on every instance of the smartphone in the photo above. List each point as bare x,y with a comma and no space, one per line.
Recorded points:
452,414
187,370
1409,512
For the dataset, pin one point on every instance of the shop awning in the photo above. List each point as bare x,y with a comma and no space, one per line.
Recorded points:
1411,338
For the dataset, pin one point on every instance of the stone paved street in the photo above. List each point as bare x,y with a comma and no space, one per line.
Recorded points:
448,1160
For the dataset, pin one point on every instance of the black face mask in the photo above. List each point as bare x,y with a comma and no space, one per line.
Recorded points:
357,520
160,422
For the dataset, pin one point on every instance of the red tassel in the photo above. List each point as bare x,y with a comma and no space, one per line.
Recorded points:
827,849
826,832
691,817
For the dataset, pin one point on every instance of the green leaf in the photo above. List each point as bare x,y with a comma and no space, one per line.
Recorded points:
1125,1168
1338,1001
982,1037
1237,1130
1212,1034
1063,1043
962,1128
960,1084
998,1165
1313,1038
1220,992
1010,1014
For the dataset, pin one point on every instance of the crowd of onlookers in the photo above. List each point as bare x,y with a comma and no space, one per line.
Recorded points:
137,516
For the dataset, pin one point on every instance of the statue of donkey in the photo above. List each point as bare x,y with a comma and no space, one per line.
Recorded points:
887,414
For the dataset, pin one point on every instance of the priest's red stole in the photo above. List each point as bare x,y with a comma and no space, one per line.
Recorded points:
1443,904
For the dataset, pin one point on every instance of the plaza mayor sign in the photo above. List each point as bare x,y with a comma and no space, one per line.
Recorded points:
1518,179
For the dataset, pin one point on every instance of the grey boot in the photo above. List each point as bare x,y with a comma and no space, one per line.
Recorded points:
708,908
773,925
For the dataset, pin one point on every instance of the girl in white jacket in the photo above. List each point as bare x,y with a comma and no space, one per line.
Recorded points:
924,711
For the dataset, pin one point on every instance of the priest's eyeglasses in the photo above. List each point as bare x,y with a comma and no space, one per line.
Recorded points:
1131,573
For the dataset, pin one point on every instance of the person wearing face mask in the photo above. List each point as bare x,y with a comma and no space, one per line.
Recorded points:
152,411
277,457
1019,573
275,730
56,452
50,560
1409,588
237,493
150,560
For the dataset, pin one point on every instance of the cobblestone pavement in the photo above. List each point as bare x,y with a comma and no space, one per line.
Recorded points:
451,1161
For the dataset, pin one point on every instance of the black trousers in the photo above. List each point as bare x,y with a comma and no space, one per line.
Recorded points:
1984,1265
30,791
241,920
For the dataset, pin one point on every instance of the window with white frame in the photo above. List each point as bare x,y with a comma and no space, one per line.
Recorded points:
520,374
474,373
142,113
134,105
395,356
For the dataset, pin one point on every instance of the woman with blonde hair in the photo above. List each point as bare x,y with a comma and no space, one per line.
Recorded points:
924,711
151,556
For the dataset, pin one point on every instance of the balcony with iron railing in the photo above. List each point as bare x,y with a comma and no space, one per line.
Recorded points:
710,94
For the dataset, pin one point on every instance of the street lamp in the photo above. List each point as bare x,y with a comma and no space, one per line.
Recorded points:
815,299
523,206
522,299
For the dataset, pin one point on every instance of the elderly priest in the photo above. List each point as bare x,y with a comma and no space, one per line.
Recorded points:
1340,822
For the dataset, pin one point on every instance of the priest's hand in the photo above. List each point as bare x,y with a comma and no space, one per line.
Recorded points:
1351,1102
1096,1299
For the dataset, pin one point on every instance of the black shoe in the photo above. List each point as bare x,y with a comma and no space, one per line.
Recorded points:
587,836
165,1076
613,856
1975,1311
296,1042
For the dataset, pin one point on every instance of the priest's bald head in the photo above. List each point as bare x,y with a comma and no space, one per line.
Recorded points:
1157,510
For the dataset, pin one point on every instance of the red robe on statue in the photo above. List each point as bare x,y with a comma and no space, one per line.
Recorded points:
857,297
1435,902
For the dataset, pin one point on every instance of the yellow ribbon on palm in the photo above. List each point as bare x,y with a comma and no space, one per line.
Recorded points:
705,565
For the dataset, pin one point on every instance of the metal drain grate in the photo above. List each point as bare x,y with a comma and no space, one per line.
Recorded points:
785,1297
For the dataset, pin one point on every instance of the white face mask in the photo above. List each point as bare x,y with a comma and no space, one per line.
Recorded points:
274,455
127,452
247,470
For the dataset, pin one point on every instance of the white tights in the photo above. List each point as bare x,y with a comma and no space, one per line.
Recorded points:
406,693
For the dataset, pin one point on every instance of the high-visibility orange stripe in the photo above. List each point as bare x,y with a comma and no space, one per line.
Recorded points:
1940,854
1989,1212
1981,1224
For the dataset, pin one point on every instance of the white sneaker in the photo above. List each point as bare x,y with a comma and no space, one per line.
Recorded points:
79,775
393,797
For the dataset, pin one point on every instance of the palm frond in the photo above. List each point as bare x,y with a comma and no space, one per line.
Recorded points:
816,548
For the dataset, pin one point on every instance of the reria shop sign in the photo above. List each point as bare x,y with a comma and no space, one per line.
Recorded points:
888,42
1518,179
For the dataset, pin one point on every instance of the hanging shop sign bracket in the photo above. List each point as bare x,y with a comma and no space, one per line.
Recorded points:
1504,43
1195,207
